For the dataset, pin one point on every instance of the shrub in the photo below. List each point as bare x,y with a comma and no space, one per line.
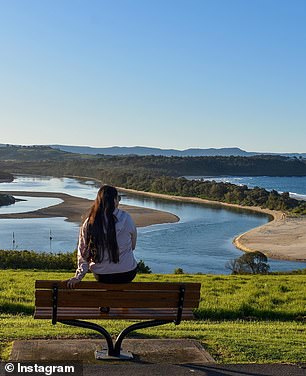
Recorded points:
143,269
178,271
34,260
249,263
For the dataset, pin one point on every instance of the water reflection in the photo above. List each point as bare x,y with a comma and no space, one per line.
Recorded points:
85,189
28,204
34,234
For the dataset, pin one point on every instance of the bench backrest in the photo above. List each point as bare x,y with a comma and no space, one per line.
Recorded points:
136,300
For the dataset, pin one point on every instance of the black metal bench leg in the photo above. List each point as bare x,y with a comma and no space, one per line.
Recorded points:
98,328
129,329
114,350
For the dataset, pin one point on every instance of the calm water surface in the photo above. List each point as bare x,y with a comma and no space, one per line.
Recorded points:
27,204
200,242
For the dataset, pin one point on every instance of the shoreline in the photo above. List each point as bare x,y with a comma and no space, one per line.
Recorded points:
75,208
282,238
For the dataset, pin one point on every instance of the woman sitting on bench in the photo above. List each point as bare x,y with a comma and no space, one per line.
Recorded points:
106,242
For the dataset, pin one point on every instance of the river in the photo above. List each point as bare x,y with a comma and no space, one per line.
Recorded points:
201,242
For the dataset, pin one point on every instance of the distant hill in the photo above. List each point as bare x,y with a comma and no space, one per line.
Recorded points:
58,151
142,150
32,153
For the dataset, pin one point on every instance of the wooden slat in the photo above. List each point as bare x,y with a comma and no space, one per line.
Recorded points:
108,294
118,299
164,286
116,313
112,311
136,300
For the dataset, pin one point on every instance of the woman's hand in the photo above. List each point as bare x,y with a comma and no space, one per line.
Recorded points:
72,282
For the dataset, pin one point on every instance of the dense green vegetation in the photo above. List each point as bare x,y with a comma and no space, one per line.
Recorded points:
13,259
269,165
240,318
223,192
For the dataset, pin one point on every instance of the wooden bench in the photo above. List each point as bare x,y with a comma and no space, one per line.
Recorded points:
158,302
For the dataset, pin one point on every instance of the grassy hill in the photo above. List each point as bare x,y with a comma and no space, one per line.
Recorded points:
240,318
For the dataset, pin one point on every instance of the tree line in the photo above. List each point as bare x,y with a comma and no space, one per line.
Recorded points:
165,175
210,190
269,165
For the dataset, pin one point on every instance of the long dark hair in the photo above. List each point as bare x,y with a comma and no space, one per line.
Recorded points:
101,231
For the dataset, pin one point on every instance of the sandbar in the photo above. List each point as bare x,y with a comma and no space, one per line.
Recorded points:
76,208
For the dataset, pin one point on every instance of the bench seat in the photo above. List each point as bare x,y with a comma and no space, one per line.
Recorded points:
161,302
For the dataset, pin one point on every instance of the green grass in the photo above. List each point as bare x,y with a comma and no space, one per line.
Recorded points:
240,318
230,297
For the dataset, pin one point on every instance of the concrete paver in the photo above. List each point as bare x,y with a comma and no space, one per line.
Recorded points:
152,358
170,351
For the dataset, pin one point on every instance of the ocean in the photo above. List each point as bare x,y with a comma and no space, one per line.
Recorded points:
295,185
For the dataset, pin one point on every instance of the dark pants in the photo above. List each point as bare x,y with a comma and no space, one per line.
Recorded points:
116,277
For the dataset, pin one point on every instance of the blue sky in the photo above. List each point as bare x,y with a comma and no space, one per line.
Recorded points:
169,74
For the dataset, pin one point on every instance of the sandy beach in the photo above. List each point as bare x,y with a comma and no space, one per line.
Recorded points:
75,208
283,237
